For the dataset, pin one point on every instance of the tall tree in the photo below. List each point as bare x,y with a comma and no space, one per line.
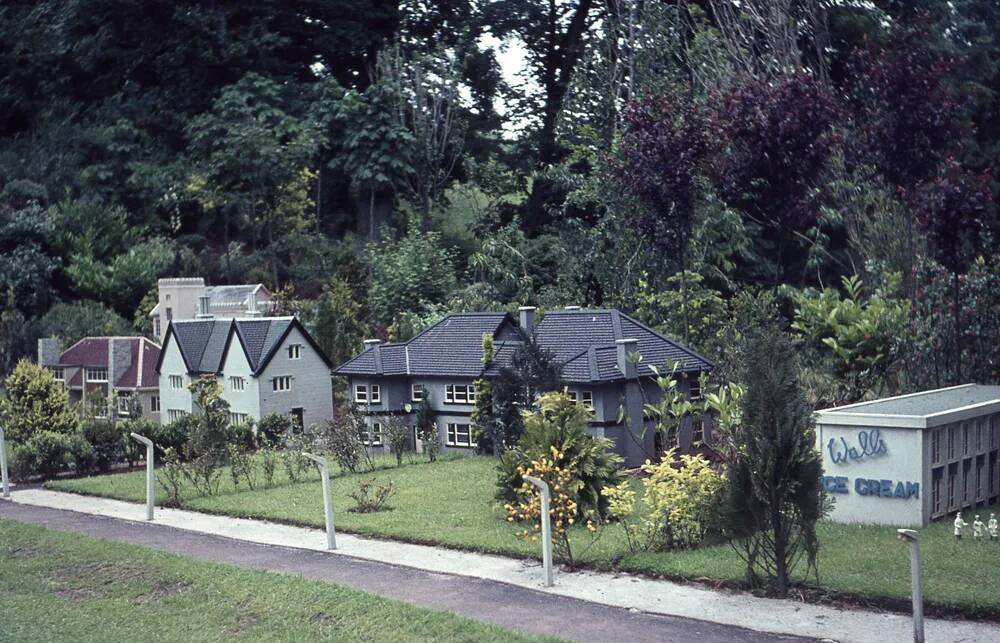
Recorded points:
773,469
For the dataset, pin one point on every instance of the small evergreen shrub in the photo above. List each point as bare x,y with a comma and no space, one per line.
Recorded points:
108,446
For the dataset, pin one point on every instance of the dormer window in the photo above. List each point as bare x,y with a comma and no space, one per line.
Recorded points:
58,373
97,374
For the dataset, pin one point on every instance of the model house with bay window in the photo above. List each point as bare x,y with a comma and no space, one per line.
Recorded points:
106,376
265,365
596,350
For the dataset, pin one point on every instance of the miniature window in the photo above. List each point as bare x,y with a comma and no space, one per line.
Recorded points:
237,383
459,435
281,383
176,382
97,375
376,394
361,394
417,393
373,438
295,351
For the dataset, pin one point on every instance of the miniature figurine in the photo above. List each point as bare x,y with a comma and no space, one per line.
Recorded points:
993,528
977,528
959,525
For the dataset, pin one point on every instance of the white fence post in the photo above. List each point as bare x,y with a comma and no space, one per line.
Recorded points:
546,519
150,493
3,464
324,472
913,538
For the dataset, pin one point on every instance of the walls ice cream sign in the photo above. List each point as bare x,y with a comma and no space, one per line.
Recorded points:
867,445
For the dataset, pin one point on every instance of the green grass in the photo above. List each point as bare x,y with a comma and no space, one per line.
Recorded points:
65,587
451,503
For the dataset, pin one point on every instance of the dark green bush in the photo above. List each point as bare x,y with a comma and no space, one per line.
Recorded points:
46,453
81,453
165,436
105,438
275,426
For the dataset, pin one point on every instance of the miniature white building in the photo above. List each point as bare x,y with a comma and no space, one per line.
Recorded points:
189,298
909,459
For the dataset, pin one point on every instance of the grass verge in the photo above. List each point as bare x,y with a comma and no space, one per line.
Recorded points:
451,503
66,587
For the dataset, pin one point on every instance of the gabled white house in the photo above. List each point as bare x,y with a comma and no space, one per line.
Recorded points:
265,365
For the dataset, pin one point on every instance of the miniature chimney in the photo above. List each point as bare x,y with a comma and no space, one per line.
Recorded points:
49,350
372,343
625,365
252,310
527,319
203,310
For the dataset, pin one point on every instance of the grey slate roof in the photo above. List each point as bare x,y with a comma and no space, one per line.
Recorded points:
453,347
583,341
234,296
202,342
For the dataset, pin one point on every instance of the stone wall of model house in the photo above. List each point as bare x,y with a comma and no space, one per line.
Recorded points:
296,381
175,398
239,387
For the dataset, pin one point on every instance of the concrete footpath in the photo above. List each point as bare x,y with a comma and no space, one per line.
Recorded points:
649,597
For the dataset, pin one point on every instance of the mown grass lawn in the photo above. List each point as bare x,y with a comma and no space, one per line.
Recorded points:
451,503
66,587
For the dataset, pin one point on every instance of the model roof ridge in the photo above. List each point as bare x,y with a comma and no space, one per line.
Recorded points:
611,311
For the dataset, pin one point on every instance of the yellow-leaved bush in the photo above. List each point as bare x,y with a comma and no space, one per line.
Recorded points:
680,503
563,488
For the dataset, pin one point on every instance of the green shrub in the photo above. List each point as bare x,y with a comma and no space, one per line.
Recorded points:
35,403
370,497
275,426
681,503
558,430
23,462
167,436
49,452
81,453
106,440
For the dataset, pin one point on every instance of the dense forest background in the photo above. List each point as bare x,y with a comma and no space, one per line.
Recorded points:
370,162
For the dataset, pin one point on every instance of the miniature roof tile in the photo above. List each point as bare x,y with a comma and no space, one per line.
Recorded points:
203,342
583,341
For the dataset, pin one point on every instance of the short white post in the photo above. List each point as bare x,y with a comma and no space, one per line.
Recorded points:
546,519
324,473
150,494
912,537
3,464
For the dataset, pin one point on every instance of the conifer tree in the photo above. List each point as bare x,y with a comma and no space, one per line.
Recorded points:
774,498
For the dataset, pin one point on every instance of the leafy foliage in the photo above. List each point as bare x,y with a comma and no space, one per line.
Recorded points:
557,432
35,403
856,338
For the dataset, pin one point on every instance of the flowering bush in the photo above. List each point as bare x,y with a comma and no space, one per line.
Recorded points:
679,503
560,426
564,488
